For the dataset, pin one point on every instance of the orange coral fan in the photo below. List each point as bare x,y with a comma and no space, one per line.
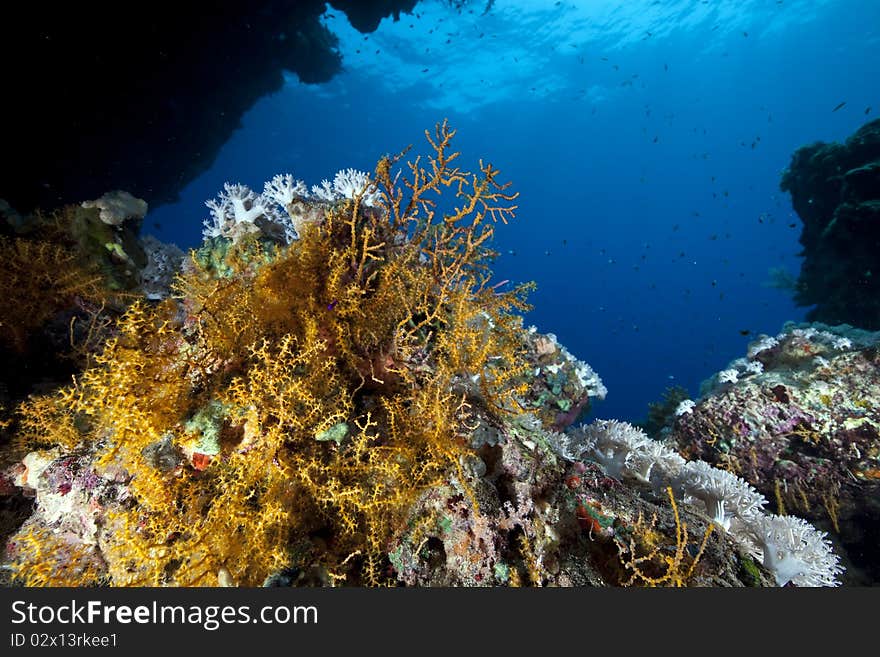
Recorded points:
304,398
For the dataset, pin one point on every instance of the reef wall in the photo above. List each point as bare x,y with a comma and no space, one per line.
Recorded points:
835,189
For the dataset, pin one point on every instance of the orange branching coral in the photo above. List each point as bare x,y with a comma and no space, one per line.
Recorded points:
37,280
289,411
43,558
661,564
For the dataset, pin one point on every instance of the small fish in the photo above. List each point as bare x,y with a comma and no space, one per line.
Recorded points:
744,331
839,105
868,109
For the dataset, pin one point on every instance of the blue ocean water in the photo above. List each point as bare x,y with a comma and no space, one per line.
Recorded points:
646,139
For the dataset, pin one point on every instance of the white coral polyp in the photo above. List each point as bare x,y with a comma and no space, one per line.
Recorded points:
324,192
755,367
587,377
685,406
612,444
234,212
641,462
285,202
728,376
350,183
841,343
763,343
284,190
794,551
724,494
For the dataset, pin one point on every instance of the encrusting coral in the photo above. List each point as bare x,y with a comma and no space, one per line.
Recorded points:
798,419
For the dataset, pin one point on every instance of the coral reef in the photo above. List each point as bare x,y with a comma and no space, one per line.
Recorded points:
835,190
799,421
335,391
314,390
545,520
65,276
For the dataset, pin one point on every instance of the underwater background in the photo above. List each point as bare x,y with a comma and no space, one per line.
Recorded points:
591,300
646,138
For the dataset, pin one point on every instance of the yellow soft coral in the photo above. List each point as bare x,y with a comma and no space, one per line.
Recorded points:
338,371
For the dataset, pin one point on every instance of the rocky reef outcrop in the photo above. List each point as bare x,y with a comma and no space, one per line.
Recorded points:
835,190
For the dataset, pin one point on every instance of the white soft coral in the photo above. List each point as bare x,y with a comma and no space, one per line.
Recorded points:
350,183
724,494
284,190
285,203
347,183
794,551
234,212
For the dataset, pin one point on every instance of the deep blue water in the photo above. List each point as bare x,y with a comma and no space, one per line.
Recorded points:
646,139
